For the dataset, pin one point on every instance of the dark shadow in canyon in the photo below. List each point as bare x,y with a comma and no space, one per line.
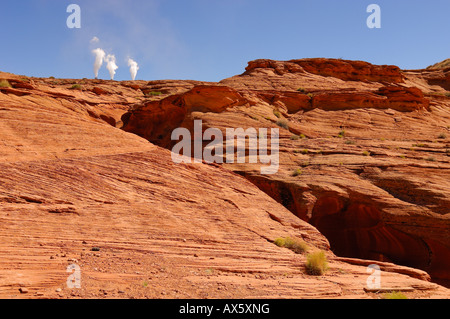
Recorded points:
355,229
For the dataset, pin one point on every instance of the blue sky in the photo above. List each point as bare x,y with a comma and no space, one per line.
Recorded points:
211,40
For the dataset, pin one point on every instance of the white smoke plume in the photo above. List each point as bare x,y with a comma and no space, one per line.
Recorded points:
95,40
111,65
99,57
133,68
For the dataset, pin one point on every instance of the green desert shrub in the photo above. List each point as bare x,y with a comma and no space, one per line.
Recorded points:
76,87
277,113
298,137
297,172
280,242
395,295
283,124
297,245
316,263
442,136
5,84
154,93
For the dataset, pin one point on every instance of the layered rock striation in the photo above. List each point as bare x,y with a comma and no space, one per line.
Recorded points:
371,143
87,164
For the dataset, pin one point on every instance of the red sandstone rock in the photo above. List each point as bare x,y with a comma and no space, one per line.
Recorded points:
290,102
352,70
374,185
341,69
157,119
351,130
388,97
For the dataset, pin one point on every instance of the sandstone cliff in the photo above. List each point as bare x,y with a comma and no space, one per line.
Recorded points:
78,173
374,151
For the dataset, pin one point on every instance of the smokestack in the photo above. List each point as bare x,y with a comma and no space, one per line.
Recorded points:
133,68
111,65
99,57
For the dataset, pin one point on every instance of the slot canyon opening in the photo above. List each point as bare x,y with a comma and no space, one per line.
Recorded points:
357,230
